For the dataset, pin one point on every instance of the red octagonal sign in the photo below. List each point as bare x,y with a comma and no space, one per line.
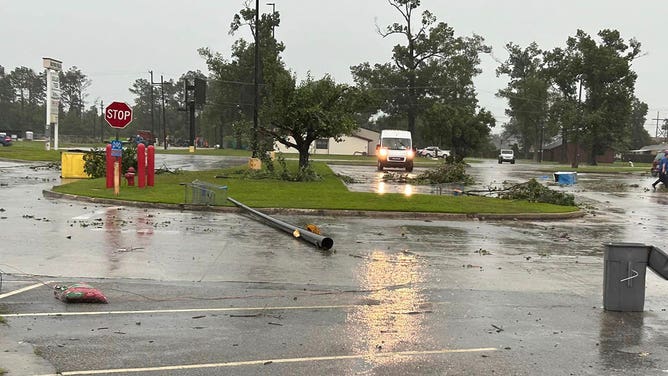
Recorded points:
118,115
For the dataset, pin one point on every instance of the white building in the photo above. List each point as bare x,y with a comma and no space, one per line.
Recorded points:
362,142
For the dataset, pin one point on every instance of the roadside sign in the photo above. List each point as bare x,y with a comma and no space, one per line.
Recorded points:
116,148
118,115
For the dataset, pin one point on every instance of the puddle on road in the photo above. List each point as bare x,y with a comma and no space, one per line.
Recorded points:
398,321
435,230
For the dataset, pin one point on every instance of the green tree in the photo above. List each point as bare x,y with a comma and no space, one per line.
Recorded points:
527,95
432,71
461,127
314,109
607,82
563,66
610,84
141,109
230,107
73,85
7,101
639,136
594,85
29,88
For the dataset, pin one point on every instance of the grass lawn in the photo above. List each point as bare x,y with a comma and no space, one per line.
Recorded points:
329,193
34,151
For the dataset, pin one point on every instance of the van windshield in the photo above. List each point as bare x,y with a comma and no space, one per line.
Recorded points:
396,143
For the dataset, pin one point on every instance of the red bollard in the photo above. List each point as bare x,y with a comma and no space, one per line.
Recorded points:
150,166
110,167
141,165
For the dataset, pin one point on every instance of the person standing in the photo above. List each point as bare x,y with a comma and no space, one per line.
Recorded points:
663,166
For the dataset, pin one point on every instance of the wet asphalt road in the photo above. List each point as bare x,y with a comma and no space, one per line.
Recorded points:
216,294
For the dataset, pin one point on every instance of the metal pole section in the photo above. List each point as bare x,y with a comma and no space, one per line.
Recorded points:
190,107
56,86
256,79
151,98
164,122
56,83
318,240
47,130
576,153
101,122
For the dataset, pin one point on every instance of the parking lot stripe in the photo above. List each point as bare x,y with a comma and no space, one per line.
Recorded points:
24,289
181,310
278,361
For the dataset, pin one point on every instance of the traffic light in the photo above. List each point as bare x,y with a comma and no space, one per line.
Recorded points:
200,91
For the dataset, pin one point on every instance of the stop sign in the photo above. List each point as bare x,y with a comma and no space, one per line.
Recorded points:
118,115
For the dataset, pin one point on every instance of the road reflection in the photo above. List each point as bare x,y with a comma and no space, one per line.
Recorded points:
394,317
621,341
118,241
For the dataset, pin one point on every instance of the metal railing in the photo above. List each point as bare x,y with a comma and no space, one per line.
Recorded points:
200,192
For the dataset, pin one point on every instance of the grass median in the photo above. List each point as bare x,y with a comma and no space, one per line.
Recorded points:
328,193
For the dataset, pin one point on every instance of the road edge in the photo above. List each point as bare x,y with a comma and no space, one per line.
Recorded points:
326,212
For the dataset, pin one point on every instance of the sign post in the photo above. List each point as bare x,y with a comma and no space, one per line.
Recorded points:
52,67
118,115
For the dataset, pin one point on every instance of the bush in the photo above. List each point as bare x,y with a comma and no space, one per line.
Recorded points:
95,161
282,172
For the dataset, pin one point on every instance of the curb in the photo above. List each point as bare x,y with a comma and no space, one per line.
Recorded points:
327,212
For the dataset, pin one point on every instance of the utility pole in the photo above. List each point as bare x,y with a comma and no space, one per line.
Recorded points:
101,122
164,122
190,108
542,140
256,80
660,131
576,152
151,99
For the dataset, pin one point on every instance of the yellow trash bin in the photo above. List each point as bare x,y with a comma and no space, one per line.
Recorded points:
72,165
255,163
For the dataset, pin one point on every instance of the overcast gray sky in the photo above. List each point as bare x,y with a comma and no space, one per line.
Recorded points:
117,42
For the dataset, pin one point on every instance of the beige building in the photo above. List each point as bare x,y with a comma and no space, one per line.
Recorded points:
362,142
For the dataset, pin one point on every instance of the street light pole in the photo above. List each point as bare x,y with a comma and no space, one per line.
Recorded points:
576,155
151,99
256,80
273,10
101,117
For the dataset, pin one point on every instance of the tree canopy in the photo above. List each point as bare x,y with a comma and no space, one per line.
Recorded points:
429,79
585,91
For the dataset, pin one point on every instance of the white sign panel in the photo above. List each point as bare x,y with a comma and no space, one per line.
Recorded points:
52,64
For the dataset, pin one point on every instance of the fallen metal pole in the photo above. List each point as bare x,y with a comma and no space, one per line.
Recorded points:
318,240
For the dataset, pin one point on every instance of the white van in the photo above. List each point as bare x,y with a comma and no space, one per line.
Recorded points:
395,149
507,155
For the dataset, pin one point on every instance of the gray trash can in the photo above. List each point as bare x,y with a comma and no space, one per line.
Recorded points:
624,270
658,261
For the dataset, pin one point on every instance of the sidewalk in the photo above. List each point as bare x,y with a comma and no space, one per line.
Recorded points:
19,359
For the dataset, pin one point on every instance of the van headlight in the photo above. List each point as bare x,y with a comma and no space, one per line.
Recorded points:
382,152
410,154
